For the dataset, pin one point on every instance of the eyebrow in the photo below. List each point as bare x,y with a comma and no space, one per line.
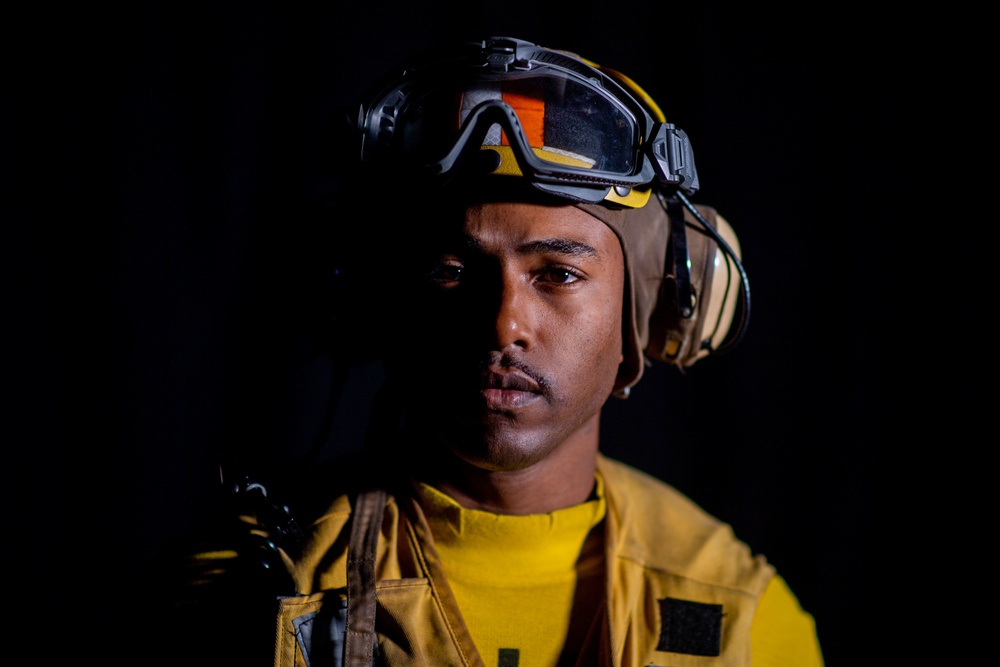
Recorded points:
561,246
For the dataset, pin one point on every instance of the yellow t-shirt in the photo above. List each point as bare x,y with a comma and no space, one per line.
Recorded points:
518,579
782,633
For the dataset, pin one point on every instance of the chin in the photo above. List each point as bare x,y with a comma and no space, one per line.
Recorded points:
501,452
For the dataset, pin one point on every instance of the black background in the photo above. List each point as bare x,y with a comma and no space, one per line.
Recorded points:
158,161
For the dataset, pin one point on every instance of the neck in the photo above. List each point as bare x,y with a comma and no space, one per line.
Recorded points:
563,478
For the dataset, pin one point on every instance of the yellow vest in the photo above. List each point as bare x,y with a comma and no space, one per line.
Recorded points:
680,589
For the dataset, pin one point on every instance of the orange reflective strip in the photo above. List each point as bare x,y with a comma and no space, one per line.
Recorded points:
531,111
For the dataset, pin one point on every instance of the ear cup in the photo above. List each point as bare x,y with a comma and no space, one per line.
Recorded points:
715,283
721,297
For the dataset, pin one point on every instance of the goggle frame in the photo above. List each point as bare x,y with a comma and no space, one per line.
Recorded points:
662,153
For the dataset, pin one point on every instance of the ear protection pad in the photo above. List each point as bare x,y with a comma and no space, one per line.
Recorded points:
715,283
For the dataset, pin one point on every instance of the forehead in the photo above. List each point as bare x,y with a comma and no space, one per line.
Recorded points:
496,226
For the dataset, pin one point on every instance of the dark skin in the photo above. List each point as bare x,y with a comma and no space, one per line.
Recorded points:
517,332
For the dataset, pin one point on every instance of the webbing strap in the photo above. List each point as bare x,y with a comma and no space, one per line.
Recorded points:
681,259
359,644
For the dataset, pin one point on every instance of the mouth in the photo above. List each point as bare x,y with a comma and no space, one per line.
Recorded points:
507,389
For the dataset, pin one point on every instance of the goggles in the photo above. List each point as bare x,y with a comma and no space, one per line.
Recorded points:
508,107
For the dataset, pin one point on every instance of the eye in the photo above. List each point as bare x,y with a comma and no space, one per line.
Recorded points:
445,273
560,275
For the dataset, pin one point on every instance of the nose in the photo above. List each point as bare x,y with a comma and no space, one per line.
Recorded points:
515,317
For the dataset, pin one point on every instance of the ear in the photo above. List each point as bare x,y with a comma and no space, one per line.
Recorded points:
621,388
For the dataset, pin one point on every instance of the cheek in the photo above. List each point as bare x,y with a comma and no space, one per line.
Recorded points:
611,338
596,345
613,315
613,324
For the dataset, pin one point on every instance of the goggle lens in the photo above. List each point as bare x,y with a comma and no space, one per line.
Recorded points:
561,121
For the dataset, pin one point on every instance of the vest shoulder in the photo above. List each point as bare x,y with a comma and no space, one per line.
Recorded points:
663,530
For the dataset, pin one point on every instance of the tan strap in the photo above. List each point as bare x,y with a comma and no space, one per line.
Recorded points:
359,643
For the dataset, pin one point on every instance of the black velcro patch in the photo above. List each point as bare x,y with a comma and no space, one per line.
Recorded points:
509,657
690,627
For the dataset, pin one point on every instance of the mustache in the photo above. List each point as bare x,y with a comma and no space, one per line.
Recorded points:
504,361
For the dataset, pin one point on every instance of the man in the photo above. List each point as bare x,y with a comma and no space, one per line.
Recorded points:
482,525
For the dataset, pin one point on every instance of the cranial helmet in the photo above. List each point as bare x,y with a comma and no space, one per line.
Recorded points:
507,115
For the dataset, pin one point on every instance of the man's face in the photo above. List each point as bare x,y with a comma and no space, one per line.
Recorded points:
515,330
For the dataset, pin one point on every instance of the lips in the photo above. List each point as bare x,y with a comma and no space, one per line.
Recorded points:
509,388
510,379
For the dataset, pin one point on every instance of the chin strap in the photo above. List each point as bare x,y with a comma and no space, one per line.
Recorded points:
681,258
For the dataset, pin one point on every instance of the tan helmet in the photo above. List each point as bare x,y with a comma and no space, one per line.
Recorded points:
504,117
